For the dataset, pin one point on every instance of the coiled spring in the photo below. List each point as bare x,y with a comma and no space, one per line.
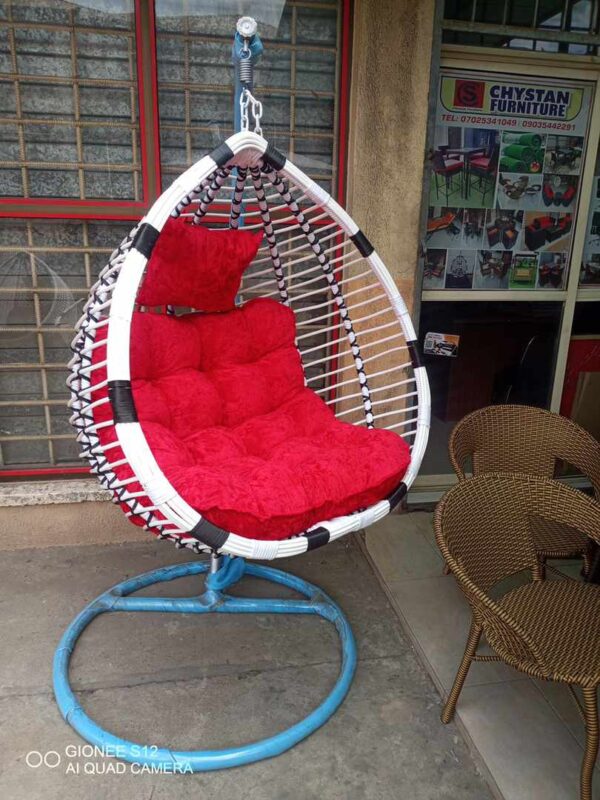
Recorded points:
245,70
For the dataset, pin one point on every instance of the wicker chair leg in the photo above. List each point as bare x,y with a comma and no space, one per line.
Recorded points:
461,675
587,562
538,573
590,708
447,570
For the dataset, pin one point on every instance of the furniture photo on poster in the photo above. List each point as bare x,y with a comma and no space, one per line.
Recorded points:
542,231
314,411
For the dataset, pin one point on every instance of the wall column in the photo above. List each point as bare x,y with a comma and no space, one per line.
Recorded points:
391,57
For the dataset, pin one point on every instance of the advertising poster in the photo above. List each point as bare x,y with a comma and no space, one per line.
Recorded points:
505,180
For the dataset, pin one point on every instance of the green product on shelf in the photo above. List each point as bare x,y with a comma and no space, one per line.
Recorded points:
522,152
530,140
512,164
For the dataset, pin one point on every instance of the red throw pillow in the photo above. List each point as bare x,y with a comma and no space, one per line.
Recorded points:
193,266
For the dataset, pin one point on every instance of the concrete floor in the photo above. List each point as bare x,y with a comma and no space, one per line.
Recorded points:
217,681
527,733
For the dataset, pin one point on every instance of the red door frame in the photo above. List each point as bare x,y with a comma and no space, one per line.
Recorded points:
133,210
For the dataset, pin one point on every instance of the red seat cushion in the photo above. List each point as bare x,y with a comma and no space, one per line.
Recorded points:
480,163
450,167
222,402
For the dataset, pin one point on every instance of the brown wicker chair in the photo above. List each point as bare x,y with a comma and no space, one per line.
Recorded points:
516,438
546,629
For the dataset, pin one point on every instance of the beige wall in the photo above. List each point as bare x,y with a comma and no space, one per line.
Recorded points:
68,524
391,57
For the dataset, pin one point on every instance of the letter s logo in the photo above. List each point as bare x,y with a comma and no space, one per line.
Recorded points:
469,94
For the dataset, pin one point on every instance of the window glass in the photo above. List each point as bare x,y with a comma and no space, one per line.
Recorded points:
502,353
68,101
295,79
69,130
46,270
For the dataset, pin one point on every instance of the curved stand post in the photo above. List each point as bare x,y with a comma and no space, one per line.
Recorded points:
225,572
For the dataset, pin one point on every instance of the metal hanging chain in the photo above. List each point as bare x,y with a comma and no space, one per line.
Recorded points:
247,100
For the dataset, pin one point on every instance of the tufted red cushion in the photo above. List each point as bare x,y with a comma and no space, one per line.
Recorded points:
222,402
194,266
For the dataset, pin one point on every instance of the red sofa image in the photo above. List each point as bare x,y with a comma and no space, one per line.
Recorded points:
546,229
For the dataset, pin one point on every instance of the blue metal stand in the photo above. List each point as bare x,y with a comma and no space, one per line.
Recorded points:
224,572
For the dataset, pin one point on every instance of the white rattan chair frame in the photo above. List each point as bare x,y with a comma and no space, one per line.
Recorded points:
314,259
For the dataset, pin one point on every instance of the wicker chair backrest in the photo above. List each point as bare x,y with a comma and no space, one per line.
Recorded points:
516,438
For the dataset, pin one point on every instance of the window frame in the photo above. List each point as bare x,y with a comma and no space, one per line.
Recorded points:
147,97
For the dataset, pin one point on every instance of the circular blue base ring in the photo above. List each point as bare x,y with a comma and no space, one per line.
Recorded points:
213,600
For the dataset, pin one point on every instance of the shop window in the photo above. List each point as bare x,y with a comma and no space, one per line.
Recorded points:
490,353
46,270
295,79
68,101
72,127
506,178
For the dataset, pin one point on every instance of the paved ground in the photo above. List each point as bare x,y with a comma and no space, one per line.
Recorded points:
217,681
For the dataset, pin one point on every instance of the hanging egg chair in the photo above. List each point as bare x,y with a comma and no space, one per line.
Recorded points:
245,382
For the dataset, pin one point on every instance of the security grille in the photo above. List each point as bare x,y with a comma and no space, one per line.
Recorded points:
68,101
566,26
